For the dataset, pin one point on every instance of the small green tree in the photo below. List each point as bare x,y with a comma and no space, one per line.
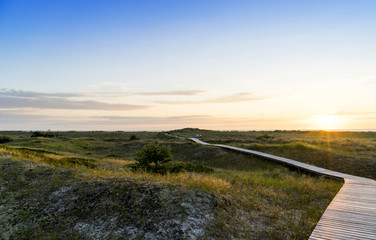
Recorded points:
155,154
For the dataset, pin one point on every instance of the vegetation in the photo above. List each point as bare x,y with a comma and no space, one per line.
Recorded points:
152,158
347,152
48,157
40,202
178,167
43,134
133,138
5,139
43,194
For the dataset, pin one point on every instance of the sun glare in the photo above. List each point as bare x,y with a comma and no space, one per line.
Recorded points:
327,122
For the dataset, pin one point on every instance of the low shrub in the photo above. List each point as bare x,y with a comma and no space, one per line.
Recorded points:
43,134
137,167
133,138
5,139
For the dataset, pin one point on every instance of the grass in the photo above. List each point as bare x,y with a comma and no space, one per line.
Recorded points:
255,198
347,152
47,157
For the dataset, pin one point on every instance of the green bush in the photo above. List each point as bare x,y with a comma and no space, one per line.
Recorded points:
152,158
5,139
42,134
133,137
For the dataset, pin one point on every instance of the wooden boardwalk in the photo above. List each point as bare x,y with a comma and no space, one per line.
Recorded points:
351,214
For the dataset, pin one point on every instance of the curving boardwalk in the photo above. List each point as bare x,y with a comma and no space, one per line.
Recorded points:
351,214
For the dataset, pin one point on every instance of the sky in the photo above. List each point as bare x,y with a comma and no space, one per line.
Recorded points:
164,64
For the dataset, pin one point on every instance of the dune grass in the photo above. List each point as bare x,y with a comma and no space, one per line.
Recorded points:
256,199
47,157
347,152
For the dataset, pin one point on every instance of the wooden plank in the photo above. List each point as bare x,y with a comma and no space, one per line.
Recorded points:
345,222
352,212
348,233
349,218
350,225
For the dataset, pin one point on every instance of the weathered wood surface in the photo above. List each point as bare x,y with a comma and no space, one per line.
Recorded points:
351,214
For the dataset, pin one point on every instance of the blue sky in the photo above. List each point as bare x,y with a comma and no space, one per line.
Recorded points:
221,64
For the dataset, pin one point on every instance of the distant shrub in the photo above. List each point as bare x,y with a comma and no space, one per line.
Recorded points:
133,137
176,167
152,158
158,159
5,139
43,134
264,137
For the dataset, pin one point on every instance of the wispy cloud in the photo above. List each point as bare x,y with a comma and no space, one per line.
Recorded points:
234,98
115,94
24,99
237,97
354,113
31,94
172,93
186,119
10,98
21,121
52,103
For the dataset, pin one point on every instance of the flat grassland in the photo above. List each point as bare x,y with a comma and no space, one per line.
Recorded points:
245,197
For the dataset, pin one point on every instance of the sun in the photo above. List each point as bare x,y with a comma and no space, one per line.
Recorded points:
327,121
